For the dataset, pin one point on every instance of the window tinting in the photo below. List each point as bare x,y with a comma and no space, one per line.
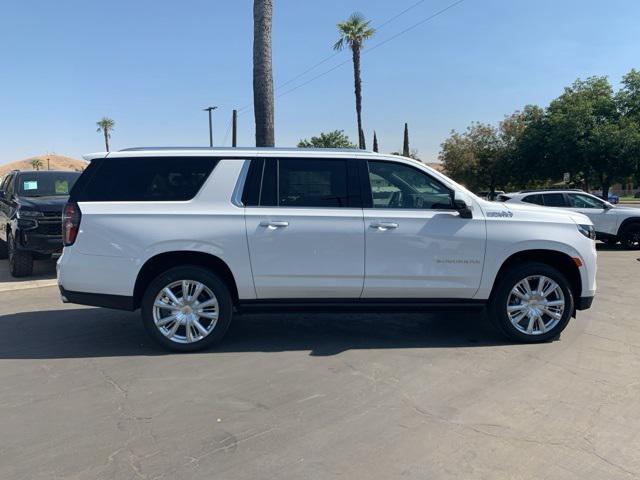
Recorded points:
45,184
312,183
578,200
554,200
537,199
145,179
395,185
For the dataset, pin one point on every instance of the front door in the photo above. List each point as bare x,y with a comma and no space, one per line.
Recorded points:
305,229
604,220
417,245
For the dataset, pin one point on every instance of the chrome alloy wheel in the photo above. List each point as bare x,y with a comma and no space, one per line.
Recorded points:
185,311
535,305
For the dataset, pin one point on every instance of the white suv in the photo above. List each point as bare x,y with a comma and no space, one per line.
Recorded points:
190,235
613,223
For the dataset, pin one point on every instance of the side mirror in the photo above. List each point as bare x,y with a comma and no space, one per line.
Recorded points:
607,206
463,209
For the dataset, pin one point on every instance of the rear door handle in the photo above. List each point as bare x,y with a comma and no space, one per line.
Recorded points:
383,225
273,224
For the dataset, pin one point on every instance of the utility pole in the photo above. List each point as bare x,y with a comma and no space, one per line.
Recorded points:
234,129
210,109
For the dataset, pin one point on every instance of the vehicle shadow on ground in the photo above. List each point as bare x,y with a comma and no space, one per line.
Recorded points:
96,332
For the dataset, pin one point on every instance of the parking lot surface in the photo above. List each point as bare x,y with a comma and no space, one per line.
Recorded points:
85,395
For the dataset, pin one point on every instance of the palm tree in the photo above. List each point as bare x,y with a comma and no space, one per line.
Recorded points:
262,73
105,125
406,152
36,163
353,32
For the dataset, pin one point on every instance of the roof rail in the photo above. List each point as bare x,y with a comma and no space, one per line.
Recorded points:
551,190
226,149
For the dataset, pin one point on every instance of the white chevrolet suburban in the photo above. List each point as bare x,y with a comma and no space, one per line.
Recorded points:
190,235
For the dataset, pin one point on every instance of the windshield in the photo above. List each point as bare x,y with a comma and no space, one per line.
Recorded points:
45,184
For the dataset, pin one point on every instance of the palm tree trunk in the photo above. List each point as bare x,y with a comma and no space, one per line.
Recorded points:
106,138
405,146
358,90
262,73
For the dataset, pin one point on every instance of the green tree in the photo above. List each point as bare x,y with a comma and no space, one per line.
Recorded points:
36,163
263,73
353,33
105,125
334,139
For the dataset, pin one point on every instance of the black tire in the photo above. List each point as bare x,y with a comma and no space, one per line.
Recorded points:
4,250
498,303
216,285
20,262
610,240
630,236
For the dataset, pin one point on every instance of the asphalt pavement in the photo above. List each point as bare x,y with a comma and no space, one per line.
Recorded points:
84,394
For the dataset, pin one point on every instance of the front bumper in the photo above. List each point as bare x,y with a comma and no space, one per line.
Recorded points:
39,243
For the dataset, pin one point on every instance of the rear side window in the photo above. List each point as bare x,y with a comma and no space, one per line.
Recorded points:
143,179
302,182
537,199
554,200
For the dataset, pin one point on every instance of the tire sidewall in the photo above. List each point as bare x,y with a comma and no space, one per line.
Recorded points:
626,233
498,311
212,281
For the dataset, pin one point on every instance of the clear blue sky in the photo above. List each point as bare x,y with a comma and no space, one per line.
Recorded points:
151,65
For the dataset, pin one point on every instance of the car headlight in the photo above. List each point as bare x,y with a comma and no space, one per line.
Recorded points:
28,214
588,231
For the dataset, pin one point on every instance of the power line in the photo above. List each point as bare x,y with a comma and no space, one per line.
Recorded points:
333,55
384,42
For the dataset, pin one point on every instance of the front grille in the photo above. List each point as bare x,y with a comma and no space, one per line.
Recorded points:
50,225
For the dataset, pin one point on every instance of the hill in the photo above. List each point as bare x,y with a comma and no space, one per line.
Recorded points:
55,162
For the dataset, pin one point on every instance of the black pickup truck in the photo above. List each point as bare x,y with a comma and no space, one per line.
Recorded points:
31,204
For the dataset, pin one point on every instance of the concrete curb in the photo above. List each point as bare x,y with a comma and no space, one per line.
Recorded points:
8,287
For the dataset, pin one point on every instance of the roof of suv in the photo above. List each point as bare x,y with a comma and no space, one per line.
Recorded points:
239,152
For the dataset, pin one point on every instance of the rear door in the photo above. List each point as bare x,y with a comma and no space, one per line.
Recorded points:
417,245
305,228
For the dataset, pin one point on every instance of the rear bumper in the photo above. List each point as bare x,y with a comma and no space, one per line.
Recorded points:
118,302
584,303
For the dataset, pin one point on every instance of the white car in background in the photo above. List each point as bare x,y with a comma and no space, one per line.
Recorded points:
613,223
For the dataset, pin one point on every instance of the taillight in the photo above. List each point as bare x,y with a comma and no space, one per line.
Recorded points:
71,216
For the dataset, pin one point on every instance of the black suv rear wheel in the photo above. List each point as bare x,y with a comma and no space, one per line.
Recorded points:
630,236
187,309
20,262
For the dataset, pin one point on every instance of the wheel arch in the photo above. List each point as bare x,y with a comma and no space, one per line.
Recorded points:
558,260
166,260
626,222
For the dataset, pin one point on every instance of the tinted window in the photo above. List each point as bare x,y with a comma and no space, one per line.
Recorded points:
144,179
45,184
395,185
312,183
537,199
578,200
554,200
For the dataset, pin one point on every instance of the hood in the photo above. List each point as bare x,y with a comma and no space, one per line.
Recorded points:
53,203
535,211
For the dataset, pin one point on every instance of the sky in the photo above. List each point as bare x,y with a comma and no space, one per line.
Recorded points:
152,65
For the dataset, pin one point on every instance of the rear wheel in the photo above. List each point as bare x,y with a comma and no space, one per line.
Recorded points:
187,309
532,303
20,262
4,249
630,236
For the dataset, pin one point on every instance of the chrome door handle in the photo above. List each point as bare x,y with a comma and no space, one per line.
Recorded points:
274,224
383,225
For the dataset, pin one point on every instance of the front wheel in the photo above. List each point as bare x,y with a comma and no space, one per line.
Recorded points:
532,303
630,236
20,262
187,309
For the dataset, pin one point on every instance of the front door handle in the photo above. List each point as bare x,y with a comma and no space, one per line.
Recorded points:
383,225
273,224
